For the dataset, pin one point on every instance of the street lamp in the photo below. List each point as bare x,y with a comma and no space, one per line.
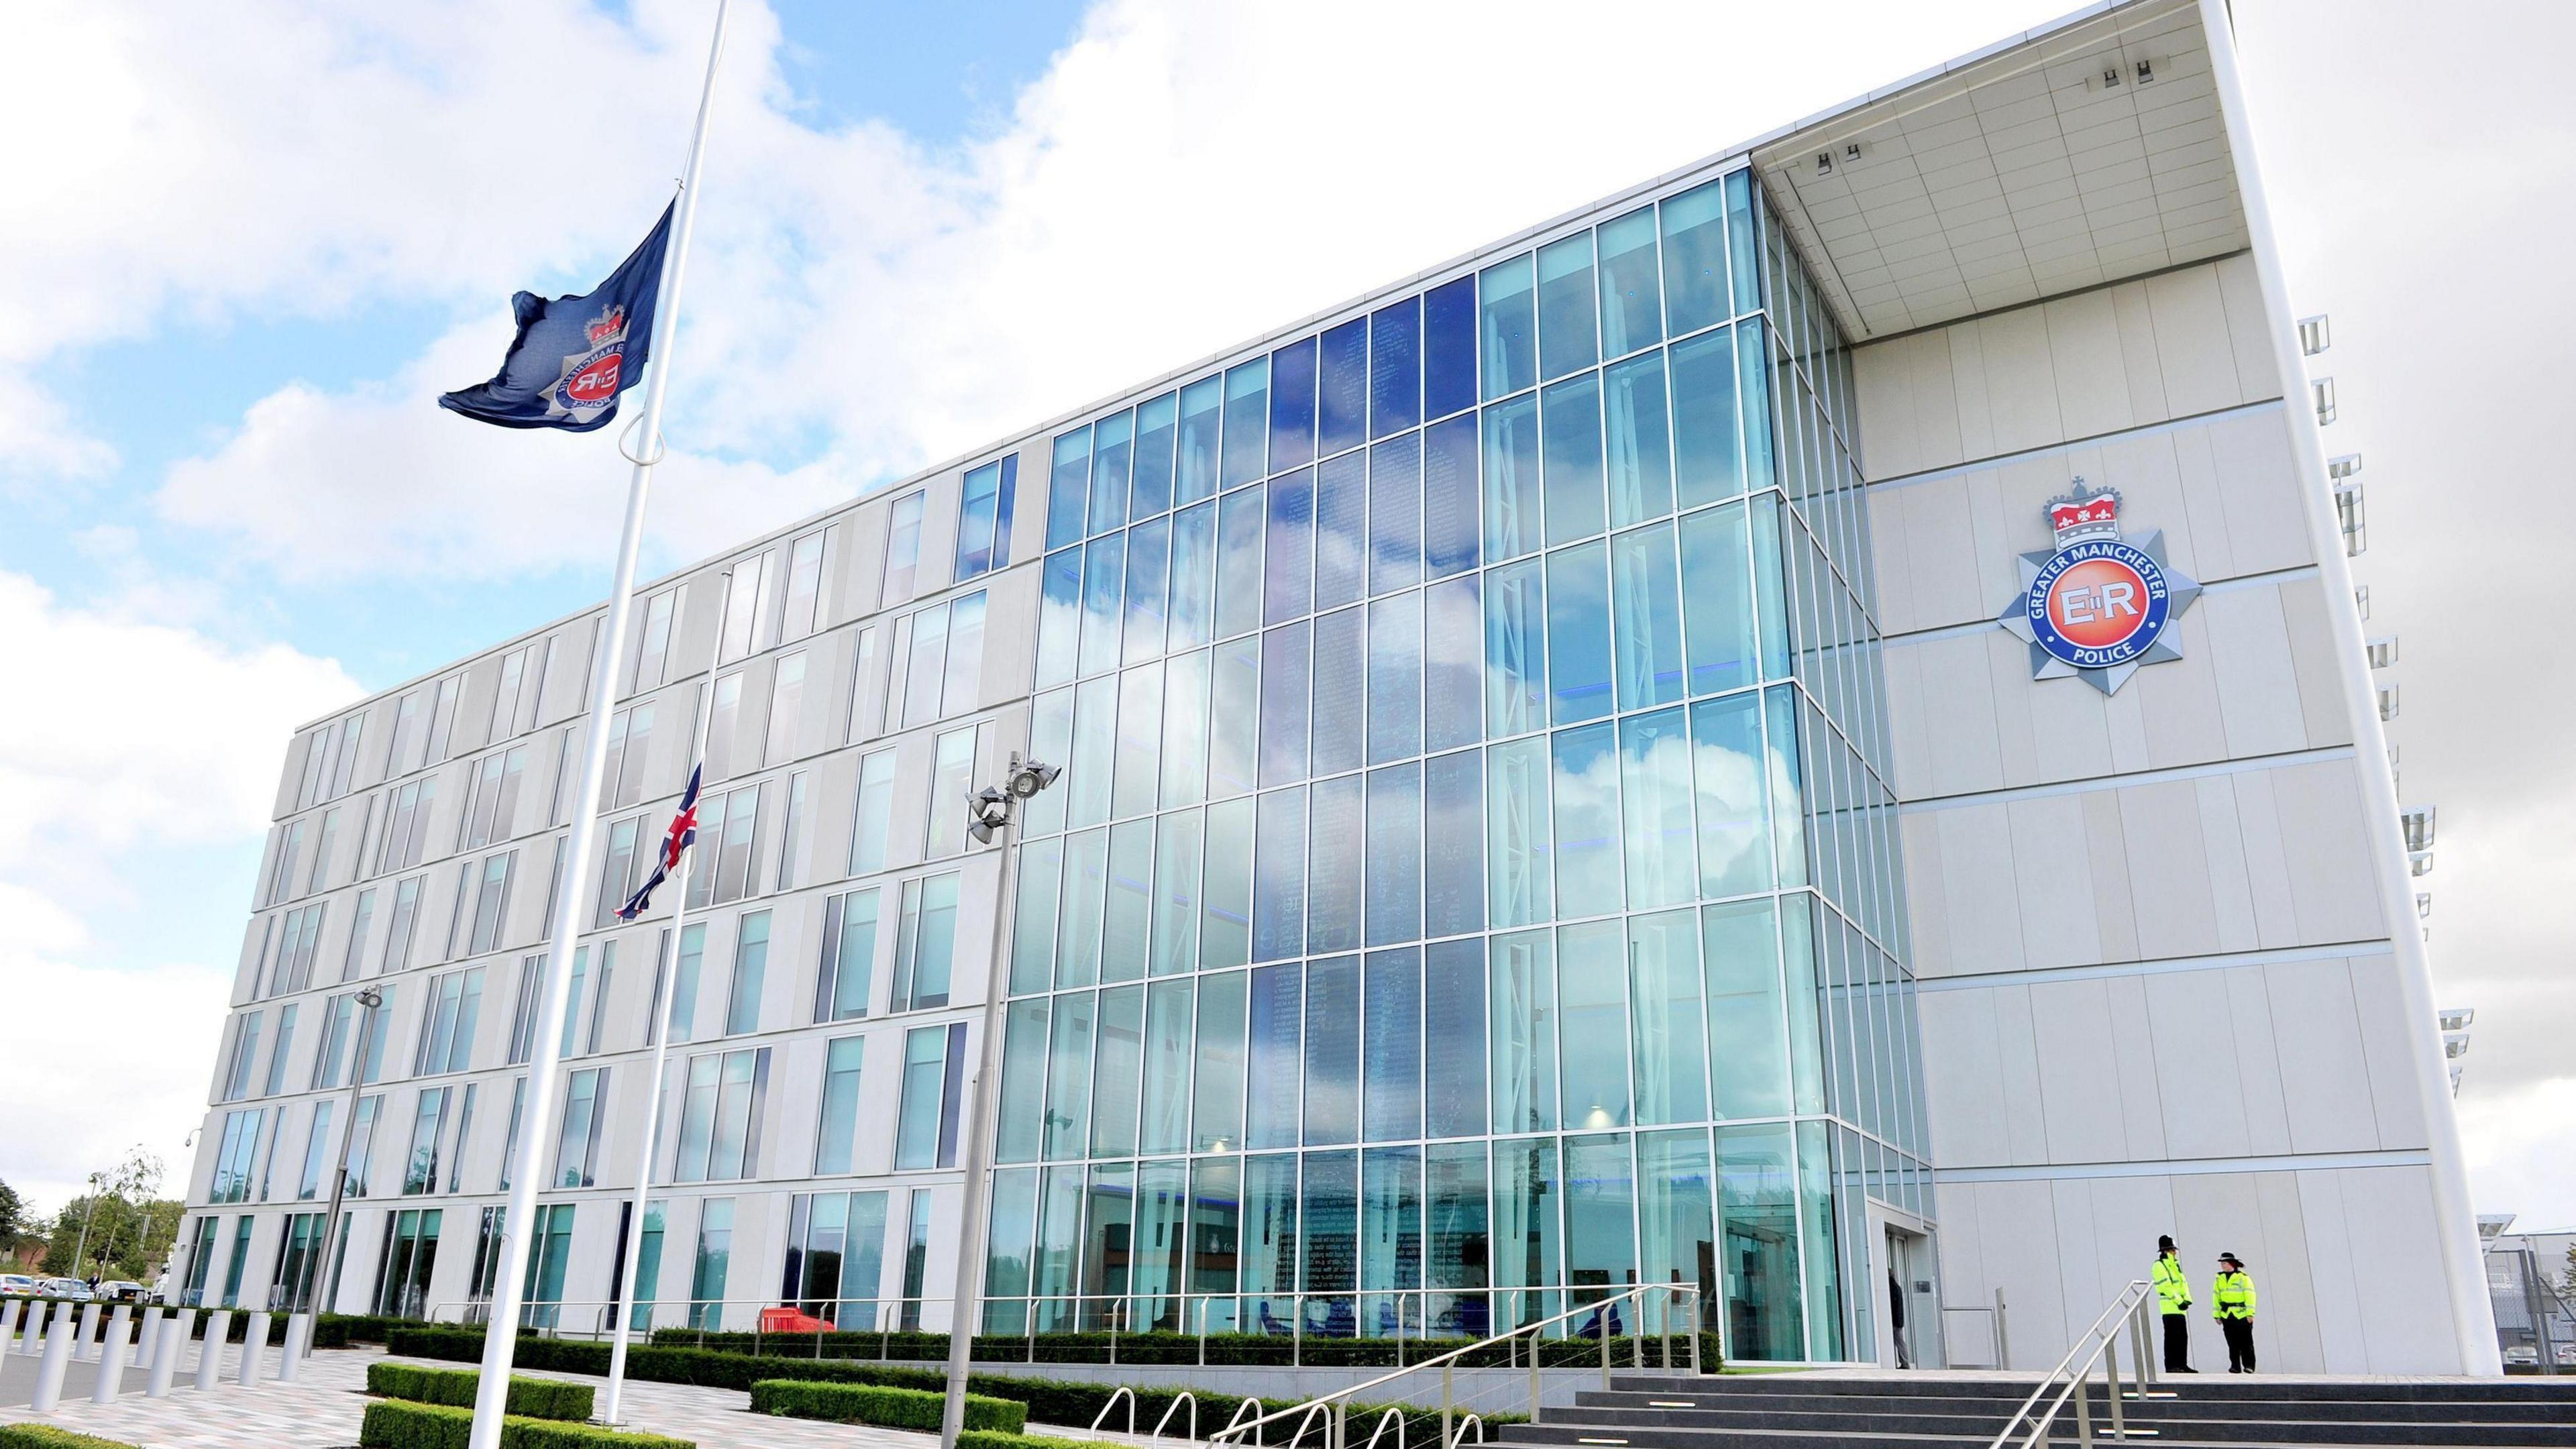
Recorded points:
988,814
368,998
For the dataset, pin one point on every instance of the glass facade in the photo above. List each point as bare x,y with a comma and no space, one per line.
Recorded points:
1473,885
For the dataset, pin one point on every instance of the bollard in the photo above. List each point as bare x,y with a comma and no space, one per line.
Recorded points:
58,1357
89,1329
254,1348
111,1357
211,1356
147,1336
33,1343
11,1312
165,1351
299,1342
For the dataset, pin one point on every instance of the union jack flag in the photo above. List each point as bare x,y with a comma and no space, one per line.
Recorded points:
682,834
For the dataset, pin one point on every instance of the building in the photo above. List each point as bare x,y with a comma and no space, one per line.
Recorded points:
1565,786
2528,1277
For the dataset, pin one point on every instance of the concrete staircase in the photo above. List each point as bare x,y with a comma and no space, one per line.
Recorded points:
1863,1410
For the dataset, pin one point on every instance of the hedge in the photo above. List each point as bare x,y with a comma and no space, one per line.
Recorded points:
987,1439
1167,1348
393,1424
1049,1401
529,1398
46,1436
892,1408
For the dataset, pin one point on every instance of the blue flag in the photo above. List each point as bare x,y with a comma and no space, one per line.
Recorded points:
574,355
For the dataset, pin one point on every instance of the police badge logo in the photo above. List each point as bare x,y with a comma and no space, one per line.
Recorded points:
588,385
2097,606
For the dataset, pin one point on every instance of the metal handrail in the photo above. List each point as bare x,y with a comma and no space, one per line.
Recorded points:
1250,1401
2099,1344
1472,1418
1599,1308
1396,1415
1188,1398
1124,1392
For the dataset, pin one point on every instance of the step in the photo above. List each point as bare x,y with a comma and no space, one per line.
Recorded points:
1677,1426
1601,1436
2541,1392
2002,1400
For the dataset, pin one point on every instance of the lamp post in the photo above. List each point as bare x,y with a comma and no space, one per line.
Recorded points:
988,814
368,998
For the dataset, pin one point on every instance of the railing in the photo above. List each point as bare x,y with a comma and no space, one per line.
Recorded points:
2072,1378
1334,1408
1994,1331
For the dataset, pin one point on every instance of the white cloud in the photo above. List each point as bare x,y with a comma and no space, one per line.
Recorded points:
2516,1145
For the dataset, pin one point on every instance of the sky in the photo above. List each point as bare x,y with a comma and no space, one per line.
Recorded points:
259,238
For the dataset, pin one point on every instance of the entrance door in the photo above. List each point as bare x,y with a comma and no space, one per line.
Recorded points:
1908,1336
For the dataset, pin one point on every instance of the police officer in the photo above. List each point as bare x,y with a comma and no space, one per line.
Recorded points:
2231,1302
2173,1301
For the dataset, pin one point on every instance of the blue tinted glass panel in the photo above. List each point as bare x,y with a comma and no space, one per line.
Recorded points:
1288,559
1646,607
1395,367
1395,678
1639,441
1453,1045
1572,418
1247,422
1507,339
1060,618
1113,447
1332,1053
1131,901
1704,416
1333,867
1140,738
1149,557
1632,313
1756,407
1070,488
1747,1019
1104,568
1788,804
1238,562
1225,935
1185,729
1521,1010
1331,1237
1453,692
1391,1097
1695,260
1567,341
1395,514
1717,600
1341,402
1515,650
1157,424
1449,488
1578,633
1739,227
1395,855
1511,472
1275,1065
1586,799
1592,996
1283,705
1341,529
1770,603
1279,877
1341,692
1193,572
1176,893
1292,406
984,517
1234,719
1095,740
1655,789
1077,941
1600,1204
1449,348
1202,404
1453,864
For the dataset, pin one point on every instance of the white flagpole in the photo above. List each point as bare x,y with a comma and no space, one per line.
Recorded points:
500,1339
634,1255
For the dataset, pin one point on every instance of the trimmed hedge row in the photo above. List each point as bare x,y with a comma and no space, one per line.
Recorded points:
394,1424
529,1398
1049,1401
1163,1348
47,1436
987,1439
892,1408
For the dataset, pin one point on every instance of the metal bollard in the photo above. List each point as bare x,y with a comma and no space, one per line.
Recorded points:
167,1340
111,1357
299,1342
89,1329
33,1343
254,1348
147,1336
11,1312
210,1358
58,1357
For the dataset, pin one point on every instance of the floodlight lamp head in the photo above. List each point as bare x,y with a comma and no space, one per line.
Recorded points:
987,810
1028,777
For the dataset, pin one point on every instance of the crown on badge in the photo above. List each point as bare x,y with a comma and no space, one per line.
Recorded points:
607,324
2085,513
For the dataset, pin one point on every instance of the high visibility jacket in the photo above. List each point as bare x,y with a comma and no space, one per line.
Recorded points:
2173,1290
2231,1295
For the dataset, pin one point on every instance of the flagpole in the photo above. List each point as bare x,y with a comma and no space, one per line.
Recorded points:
500,1338
633,1257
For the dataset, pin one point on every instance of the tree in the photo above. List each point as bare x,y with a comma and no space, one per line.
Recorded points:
118,1229
13,1217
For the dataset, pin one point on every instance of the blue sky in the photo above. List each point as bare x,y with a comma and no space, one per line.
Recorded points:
228,298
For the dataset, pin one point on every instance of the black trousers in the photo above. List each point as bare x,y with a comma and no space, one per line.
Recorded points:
2177,1343
2240,1344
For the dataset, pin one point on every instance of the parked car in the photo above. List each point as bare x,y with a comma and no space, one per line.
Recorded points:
71,1288
2521,1353
122,1290
2567,1353
17,1285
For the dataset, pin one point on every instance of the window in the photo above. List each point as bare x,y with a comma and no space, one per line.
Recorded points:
277,1051
684,981
630,735
523,1015
281,868
572,1037
925,940
356,1153
354,951
201,1258
715,1253
447,1023
371,1040
237,1061
317,766
984,517
491,903
724,720
653,652
442,720
400,925
399,758
786,709
750,966
510,1139
728,862
507,693
952,772
841,987
299,939
617,872
323,850
242,1228
492,798
406,825
464,1126
791,835
410,1253
873,813
804,586
934,1057
337,1015
747,625
836,1256
916,1259
903,549
720,1113
235,1156
941,654
577,1145
317,1146
549,1251
839,1127
428,1125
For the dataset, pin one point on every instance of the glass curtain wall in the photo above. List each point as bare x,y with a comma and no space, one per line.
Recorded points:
1473,889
